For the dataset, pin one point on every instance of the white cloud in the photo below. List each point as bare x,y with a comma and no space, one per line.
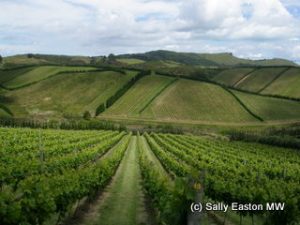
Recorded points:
104,26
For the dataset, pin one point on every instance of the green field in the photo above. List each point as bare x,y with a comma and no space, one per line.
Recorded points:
182,100
286,85
23,60
4,114
139,96
190,100
232,76
22,78
111,177
67,94
269,108
259,79
7,75
130,61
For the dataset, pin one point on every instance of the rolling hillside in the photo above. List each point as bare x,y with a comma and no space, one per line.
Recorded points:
22,77
53,91
217,59
259,79
270,109
232,76
67,94
181,100
4,114
7,75
286,85
134,102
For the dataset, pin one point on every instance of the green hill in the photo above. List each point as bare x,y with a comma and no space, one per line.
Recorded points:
259,79
4,114
184,100
217,59
231,76
21,77
287,84
22,60
134,102
161,55
67,94
50,86
270,108
7,75
42,59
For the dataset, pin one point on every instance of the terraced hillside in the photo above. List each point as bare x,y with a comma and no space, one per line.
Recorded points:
67,94
270,108
286,85
181,100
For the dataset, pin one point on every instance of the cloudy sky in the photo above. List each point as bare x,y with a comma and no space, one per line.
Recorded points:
248,28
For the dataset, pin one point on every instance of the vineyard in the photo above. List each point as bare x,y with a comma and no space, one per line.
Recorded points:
46,173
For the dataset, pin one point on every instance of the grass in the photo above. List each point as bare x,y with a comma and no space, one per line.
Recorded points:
39,73
286,85
196,101
7,75
232,76
269,108
257,80
143,92
130,61
152,158
66,94
4,114
23,60
170,63
125,204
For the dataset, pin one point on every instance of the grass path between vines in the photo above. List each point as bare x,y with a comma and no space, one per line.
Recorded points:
123,201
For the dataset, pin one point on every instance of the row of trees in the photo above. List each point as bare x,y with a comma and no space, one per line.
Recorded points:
110,101
65,124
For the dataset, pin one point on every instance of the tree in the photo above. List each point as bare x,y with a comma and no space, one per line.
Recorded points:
1,59
100,109
93,61
87,115
111,58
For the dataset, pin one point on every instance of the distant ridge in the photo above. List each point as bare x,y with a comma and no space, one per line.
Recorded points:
159,56
206,59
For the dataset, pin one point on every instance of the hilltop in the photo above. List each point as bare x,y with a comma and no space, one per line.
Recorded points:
212,59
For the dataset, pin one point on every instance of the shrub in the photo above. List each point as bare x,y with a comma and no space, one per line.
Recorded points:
87,115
